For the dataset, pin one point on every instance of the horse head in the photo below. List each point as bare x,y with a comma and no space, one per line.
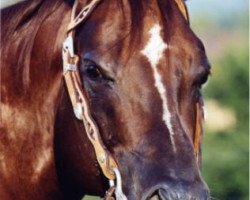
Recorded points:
142,68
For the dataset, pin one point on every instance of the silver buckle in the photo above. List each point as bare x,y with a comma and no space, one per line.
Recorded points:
69,67
68,52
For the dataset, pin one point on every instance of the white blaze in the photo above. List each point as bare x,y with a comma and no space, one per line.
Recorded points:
154,51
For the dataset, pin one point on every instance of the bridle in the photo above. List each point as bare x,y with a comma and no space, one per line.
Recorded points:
81,107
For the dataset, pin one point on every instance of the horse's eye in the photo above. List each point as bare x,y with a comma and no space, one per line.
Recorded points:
93,72
203,79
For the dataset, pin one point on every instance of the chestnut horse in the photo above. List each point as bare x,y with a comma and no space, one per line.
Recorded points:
141,68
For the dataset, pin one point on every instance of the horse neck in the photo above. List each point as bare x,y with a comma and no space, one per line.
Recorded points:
31,81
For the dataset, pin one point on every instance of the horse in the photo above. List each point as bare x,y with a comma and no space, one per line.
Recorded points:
140,69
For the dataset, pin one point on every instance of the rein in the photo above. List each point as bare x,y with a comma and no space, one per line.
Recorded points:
81,107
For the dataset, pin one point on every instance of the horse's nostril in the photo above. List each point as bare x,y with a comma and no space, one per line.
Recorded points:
153,196
165,195
197,191
183,194
157,196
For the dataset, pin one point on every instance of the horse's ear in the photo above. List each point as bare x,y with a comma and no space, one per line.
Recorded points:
183,8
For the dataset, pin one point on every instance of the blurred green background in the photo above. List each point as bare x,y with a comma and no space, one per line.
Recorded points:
223,27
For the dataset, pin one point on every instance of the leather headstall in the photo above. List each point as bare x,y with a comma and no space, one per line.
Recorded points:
78,97
198,130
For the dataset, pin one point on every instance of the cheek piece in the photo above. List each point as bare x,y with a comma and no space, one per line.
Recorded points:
81,107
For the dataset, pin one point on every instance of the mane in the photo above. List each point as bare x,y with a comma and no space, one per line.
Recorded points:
20,24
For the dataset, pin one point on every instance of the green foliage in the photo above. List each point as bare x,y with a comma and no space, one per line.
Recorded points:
226,155
229,82
91,198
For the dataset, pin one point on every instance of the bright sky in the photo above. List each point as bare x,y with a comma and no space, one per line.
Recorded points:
216,7
198,6
213,8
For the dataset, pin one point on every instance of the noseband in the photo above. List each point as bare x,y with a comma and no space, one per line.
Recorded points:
81,107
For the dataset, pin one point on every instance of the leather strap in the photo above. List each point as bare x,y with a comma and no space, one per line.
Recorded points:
78,98
82,111
198,131
84,13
